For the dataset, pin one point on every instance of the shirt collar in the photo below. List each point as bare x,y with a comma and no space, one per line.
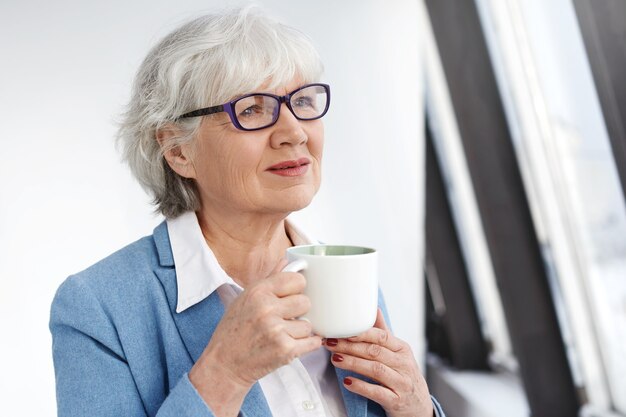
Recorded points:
198,273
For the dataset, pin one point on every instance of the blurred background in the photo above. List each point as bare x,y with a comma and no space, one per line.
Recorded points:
480,145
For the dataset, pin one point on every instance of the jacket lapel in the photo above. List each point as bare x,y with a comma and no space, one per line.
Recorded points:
197,324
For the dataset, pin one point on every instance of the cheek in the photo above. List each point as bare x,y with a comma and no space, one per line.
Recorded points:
316,143
238,166
218,166
234,170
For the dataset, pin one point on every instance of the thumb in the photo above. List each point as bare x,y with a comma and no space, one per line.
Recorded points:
380,321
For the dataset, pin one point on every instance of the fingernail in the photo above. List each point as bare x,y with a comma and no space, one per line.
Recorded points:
331,342
347,381
337,357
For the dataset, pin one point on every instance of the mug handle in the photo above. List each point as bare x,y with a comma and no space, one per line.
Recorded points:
296,266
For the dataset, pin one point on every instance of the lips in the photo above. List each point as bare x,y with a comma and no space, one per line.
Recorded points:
293,168
289,164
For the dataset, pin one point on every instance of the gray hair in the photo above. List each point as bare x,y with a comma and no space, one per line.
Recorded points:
205,62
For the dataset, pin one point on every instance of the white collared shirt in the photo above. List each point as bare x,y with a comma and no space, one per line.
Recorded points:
308,386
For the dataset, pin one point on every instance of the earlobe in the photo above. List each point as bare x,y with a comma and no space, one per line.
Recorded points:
178,157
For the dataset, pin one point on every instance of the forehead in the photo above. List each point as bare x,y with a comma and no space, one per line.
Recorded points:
278,88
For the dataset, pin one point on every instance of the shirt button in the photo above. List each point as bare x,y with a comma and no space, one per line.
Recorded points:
308,405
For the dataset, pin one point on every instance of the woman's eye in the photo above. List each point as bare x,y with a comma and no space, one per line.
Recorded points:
251,111
304,101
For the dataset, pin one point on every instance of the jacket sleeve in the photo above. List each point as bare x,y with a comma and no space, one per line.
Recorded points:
92,375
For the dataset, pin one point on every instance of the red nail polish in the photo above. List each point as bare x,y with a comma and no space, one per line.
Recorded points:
347,381
337,357
331,342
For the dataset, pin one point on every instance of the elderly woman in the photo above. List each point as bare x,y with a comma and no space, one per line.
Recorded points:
224,130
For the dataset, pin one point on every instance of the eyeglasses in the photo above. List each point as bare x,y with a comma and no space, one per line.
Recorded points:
260,110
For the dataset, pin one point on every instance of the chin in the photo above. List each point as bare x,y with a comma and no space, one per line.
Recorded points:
295,201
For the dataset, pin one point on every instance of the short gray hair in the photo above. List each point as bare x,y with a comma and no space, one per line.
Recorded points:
205,62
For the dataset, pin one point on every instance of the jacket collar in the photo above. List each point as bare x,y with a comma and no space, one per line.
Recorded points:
162,242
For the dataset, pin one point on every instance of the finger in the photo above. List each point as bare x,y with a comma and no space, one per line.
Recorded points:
377,393
389,400
375,370
380,321
307,344
298,329
286,283
371,351
380,337
292,306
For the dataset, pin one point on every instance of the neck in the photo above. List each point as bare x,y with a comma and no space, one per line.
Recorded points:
248,247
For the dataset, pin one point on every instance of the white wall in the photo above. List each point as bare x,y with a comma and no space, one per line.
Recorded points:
66,201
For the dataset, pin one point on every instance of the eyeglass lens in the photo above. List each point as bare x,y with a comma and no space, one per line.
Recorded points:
258,111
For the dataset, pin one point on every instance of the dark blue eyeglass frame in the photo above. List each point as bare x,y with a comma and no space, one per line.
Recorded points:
229,107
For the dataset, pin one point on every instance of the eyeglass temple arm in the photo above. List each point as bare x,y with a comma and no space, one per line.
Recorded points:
203,112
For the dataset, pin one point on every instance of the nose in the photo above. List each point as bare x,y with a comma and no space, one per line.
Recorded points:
287,130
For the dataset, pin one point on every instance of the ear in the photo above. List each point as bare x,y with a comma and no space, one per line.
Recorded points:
180,157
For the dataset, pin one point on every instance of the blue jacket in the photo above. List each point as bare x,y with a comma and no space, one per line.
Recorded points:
120,348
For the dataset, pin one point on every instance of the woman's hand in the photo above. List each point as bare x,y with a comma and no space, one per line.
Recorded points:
378,355
256,336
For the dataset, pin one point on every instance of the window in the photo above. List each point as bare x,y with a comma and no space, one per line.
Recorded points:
535,194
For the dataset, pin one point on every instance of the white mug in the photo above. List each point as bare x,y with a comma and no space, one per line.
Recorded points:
342,284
